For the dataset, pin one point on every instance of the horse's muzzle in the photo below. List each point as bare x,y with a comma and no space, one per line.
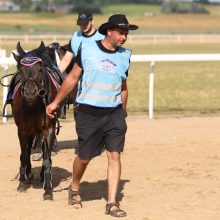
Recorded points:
30,90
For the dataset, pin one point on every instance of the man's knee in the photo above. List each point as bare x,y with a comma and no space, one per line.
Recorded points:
82,162
113,156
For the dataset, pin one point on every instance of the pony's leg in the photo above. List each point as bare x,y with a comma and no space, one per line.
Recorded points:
37,148
53,150
30,143
29,173
25,176
46,166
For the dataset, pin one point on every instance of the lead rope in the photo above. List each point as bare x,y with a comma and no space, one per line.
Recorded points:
42,94
6,102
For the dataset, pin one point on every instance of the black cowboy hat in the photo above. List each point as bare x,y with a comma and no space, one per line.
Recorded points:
117,21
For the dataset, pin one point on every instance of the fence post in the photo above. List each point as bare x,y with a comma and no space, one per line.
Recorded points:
5,92
151,90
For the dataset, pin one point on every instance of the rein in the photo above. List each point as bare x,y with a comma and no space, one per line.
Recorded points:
11,74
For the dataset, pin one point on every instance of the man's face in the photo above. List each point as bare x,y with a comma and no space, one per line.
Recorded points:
117,36
86,28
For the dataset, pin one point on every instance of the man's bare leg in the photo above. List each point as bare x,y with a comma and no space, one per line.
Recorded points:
79,167
114,174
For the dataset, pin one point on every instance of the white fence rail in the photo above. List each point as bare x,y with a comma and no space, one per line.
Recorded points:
168,58
150,38
5,62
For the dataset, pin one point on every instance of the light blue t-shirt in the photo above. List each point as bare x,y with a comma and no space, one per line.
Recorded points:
79,37
103,74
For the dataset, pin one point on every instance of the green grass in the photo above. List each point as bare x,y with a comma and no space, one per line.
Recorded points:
213,9
180,88
145,9
132,9
188,87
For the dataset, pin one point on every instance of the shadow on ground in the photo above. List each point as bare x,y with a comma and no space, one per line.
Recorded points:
98,190
67,144
58,175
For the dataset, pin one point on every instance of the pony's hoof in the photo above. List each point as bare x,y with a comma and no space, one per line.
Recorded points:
22,187
30,179
48,196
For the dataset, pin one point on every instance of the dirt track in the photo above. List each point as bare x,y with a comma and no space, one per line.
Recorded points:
171,171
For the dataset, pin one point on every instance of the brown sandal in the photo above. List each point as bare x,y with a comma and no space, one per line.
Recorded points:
71,200
115,212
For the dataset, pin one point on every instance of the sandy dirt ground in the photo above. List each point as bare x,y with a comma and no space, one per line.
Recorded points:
171,171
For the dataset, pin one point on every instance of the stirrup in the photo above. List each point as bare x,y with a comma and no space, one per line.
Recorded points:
4,108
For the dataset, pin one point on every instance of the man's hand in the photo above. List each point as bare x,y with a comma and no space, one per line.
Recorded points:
51,109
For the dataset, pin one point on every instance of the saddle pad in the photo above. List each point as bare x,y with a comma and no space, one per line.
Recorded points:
55,83
30,61
16,89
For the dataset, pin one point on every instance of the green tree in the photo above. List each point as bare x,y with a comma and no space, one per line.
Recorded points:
174,6
24,4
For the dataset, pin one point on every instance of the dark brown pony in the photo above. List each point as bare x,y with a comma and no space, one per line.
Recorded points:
55,50
36,88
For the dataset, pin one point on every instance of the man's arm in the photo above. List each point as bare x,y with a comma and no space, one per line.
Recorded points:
124,94
67,86
65,61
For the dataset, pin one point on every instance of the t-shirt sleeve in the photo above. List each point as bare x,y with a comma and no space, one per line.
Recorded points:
126,73
69,48
78,59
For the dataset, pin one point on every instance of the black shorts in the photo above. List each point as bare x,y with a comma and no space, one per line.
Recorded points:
98,132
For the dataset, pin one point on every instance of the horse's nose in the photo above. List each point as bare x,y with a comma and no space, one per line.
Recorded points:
30,90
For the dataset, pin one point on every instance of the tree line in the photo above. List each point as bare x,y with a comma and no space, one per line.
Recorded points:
171,6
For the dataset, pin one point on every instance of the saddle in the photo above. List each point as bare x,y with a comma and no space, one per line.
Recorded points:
56,74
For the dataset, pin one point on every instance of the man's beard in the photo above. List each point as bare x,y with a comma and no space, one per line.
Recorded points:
87,31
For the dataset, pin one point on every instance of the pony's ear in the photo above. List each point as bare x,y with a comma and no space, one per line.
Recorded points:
42,46
41,49
16,57
21,52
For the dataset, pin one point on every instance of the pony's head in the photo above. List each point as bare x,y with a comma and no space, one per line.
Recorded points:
31,71
55,52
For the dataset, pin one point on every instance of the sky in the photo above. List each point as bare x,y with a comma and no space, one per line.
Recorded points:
214,1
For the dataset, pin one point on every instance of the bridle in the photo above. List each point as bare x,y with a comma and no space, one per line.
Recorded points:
42,91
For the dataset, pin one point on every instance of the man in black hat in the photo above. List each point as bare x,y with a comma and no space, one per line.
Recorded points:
87,33
100,118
